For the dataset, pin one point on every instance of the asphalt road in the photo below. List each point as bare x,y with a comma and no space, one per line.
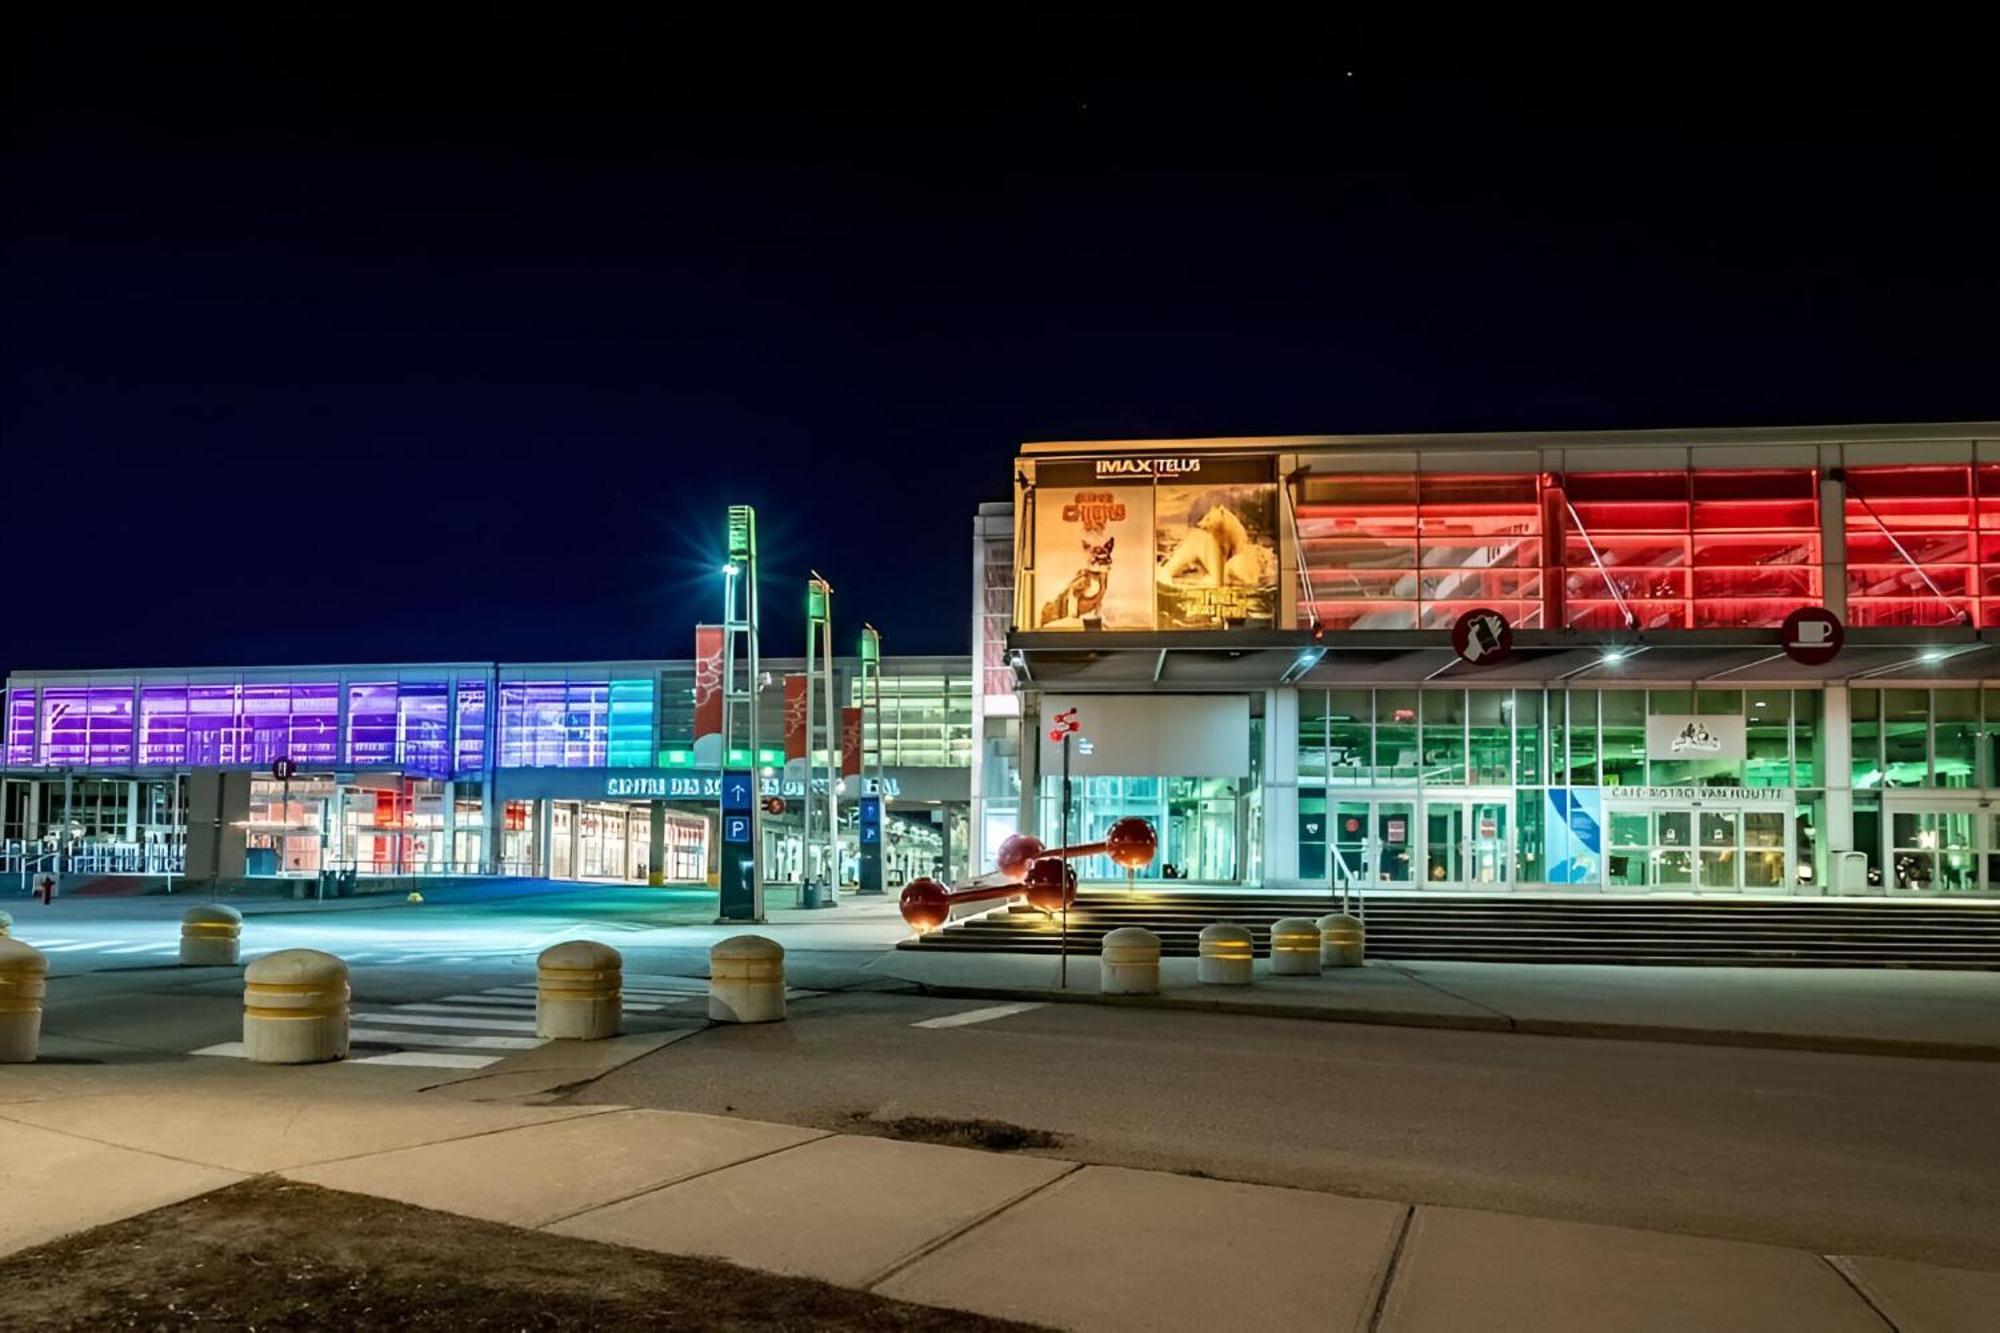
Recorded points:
1839,1153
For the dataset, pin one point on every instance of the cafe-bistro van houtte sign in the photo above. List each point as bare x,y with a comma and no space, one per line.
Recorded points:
1166,543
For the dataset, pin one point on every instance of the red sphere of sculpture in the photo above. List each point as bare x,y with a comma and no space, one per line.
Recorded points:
1017,853
926,904
1131,843
1051,885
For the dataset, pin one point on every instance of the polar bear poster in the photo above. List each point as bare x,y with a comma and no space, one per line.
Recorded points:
1216,555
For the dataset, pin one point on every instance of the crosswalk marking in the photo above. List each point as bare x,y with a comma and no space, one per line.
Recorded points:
476,1024
429,1059
481,1042
976,1015
470,1009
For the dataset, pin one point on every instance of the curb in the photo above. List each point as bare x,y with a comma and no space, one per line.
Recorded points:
1907,1048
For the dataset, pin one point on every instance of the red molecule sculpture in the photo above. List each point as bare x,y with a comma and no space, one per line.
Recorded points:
1131,843
926,904
1051,885
1027,867
1018,852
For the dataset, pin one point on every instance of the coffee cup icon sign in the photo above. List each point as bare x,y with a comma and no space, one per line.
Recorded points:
1812,636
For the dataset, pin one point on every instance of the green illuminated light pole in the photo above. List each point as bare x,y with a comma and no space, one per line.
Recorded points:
819,680
742,889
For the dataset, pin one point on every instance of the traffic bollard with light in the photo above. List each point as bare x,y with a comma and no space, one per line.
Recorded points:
579,991
1129,962
746,980
1340,940
210,935
295,1008
24,981
1228,956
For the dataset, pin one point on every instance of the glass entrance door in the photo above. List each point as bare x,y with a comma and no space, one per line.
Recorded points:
1695,849
1935,845
1374,843
1466,843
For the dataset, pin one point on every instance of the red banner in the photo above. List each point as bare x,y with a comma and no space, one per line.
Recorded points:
707,681
850,742
795,717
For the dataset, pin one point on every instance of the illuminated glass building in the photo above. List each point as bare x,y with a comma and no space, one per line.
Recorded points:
560,769
1259,636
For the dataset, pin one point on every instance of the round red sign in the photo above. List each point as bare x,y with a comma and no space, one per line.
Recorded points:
1812,636
1481,635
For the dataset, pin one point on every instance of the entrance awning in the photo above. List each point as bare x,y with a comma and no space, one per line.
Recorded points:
1263,658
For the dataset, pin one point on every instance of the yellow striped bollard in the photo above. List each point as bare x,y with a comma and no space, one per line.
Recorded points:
295,1008
579,991
24,981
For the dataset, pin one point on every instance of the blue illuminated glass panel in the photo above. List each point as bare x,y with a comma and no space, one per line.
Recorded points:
630,725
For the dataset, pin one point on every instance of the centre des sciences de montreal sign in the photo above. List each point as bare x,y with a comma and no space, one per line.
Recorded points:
708,786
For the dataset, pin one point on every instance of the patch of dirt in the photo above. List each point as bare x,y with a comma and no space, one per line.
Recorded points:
270,1254
991,1135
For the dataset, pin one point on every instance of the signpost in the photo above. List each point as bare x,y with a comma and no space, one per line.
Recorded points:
282,769
1064,726
741,896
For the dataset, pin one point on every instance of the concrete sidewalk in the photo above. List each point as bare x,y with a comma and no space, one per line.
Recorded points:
1868,1011
1034,1238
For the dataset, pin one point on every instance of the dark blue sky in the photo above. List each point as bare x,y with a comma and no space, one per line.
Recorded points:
335,332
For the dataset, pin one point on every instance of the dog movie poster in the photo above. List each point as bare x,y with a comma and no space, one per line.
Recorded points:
1215,548
1093,555
1155,543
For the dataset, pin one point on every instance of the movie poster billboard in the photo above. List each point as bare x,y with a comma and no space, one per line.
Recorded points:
1139,543
1215,546
1093,552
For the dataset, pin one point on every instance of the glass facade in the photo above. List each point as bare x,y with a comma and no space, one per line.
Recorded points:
1471,788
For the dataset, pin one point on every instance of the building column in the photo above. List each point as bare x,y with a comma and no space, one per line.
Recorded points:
31,813
1031,764
1833,534
1836,732
656,844
545,830
132,811
1280,764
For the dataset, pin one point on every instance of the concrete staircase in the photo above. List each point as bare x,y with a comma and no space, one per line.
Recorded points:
1806,932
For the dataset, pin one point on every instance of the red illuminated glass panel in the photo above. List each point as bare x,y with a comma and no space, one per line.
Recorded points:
1403,551
1690,550
1914,544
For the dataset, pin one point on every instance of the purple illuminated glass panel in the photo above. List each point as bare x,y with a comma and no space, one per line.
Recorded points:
371,725
109,713
267,723
163,726
86,725
424,709
471,756
20,728
213,731
315,740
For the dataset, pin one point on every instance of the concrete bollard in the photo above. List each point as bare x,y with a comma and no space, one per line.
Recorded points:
211,935
1130,962
24,980
1228,956
579,991
295,1008
6,924
746,980
1340,940
1295,945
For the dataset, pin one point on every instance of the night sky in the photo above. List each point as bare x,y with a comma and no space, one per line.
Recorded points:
345,333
